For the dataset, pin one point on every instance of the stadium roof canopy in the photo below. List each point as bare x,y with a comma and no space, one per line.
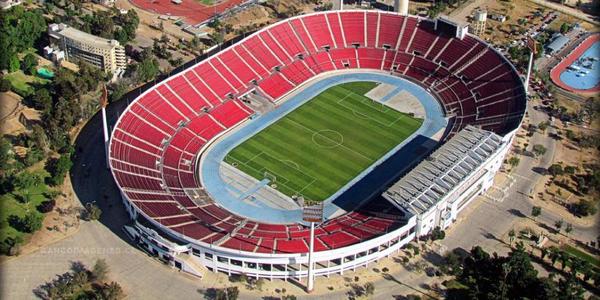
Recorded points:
433,179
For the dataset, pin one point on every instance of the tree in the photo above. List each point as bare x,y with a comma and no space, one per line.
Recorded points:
558,225
570,170
20,29
555,170
58,168
46,206
564,259
93,212
536,211
513,276
584,208
539,150
41,100
543,126
511,236
568,228
147,69
112,291
514,161
564,27
100,270
437,234
369,289
29,64
5,85
543,252
30,223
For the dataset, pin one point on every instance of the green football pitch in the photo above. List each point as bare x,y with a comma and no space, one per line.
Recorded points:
319,147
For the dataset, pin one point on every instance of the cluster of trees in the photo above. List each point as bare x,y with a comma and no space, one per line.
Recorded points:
58,168
484,276
219,31
146,68
584,184
62,103
109,24
18,184
578,268
20,30
229,293
81,283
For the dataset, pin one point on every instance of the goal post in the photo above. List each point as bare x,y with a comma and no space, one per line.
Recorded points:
270,176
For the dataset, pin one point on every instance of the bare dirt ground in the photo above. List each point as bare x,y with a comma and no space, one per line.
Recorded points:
10,110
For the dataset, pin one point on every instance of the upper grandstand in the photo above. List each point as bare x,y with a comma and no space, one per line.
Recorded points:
156,143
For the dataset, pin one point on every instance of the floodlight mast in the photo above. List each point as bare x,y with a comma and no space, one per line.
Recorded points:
532,45
103,104
312,214
311,249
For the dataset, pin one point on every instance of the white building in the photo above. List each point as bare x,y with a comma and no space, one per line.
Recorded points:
105,54
440,187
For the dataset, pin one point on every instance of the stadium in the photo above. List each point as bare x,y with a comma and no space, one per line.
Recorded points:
389,123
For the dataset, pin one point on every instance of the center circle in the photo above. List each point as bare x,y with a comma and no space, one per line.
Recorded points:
327,138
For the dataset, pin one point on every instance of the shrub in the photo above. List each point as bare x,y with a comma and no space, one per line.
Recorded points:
5,85
584,208
46,206
30,223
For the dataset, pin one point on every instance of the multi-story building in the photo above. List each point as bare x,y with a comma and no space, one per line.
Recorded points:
105,54
438,189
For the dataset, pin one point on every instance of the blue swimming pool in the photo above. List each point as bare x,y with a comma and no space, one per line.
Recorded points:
584,73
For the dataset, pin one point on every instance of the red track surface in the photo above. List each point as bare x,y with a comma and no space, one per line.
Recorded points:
567,61
193,11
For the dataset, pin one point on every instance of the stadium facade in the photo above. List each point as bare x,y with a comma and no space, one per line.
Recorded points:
156,142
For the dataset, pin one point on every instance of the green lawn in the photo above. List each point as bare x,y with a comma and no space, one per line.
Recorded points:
11,205
593,260
322,145
22,82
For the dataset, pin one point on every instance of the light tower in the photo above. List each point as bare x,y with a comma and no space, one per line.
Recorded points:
312,214
532,45
103,103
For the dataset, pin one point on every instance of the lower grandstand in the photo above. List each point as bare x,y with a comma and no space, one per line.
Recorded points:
168,147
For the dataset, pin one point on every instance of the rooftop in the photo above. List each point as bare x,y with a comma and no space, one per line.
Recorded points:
429,182
558,43
81,36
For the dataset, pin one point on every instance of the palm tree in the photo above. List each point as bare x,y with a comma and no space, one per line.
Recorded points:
112,291
558,224
564,259
569,228
543,253
511,236
536,211
554,254
578,266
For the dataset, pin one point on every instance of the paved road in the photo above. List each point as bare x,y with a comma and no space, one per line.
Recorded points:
486,222
567,10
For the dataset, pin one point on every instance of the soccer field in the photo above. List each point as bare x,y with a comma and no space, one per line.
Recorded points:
319,147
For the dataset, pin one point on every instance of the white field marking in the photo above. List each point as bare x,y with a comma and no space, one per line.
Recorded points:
279,177
295,164
330,139
253,157
342,145
359,114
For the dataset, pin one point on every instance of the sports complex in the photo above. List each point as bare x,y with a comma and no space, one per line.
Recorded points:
389,124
